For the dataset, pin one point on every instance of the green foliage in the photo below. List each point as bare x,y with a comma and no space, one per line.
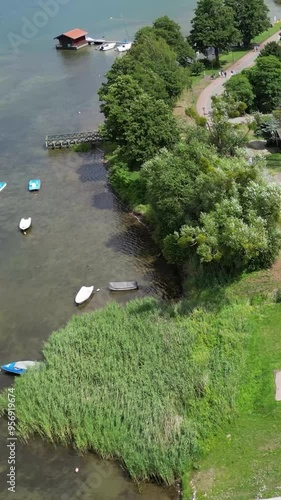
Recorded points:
170,31
197,67
145,386
266,126
239,87
227,138
148,80
265,78
166,29
251,18
218,209
137,123
155,54
82,148
213,26
129,185
271,49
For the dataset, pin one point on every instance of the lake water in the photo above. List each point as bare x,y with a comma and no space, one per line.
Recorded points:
81,234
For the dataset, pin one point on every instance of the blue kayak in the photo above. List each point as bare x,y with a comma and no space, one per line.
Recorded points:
18,367
34,185
2,185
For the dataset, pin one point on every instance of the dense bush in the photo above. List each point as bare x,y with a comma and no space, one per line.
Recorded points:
271,49
240,89
130,186
265,78
218,209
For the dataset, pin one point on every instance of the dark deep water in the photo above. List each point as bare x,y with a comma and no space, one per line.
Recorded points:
81,234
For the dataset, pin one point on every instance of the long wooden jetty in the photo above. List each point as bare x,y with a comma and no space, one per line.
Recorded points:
59,141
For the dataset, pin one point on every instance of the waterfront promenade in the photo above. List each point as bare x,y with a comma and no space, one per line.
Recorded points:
216,87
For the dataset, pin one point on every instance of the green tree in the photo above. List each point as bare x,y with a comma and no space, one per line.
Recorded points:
271,49
226,137
239,87
170,31
219,210
265,78
148,80
213,26
136,122
155,54
251,18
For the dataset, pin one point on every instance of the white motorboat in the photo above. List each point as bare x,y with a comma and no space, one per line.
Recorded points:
125,46
84,294
107,46
25,224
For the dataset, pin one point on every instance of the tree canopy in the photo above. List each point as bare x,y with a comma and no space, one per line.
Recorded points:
239,87
218,209
265,78
136,122
251,18
271,49
213,26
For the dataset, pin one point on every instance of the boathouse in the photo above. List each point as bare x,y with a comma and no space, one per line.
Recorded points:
72,40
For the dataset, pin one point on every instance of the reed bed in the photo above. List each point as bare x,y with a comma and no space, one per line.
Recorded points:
138,383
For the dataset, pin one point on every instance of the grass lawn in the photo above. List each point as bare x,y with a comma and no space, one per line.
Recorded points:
274,162
266,34
245,459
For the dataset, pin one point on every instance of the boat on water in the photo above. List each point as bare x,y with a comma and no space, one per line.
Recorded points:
2,185
123,286
84,294
25,224
107,46
124,46
18,367
34,185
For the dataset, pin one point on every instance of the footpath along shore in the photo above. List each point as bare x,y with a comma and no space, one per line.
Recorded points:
216,87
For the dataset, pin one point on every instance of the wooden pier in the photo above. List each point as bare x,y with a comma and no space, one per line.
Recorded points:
60,141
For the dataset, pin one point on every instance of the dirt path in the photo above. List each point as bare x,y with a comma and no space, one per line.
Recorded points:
204,102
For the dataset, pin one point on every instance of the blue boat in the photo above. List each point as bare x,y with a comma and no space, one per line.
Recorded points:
18,367
34,185
2,185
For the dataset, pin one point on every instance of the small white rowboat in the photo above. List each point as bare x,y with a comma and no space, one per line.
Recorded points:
84,294
25,224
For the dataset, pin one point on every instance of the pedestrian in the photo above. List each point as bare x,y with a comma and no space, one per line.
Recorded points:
225,74
219,73
231,72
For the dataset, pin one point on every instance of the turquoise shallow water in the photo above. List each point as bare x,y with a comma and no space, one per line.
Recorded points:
81,234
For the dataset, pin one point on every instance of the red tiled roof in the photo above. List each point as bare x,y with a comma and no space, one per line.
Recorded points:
74,34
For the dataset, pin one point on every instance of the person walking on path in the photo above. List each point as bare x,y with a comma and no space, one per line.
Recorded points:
216,86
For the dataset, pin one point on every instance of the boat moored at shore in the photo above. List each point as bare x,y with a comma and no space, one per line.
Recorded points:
123,286
34,185
18,367
107,46
84,294
124,46
25,224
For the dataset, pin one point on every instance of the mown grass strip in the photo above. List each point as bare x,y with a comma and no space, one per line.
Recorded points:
245,461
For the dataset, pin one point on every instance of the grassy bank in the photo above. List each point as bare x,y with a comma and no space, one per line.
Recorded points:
146,385
245,460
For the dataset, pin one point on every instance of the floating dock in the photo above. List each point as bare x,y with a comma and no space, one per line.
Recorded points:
60,141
